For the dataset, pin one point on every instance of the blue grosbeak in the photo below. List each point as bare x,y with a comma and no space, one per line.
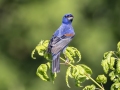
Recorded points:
59,41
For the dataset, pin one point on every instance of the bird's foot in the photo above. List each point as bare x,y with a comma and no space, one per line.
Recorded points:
66,62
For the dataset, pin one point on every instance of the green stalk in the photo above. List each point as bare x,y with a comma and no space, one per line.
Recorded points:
86,76
68,63
95,82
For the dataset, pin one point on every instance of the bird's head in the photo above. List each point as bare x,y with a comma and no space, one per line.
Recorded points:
67,19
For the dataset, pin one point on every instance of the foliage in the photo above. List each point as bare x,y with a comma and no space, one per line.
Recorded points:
24,22
111,66
81,72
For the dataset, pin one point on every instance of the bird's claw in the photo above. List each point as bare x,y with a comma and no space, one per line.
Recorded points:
66,62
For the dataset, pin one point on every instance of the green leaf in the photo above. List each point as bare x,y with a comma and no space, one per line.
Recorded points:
107,55
77,53
80,78
118,66
70,70
89,87
80,70
40,48
101,79
48,64
115,86
105,65
112,62
32,54
74,71
68,73
118,47
78,73
78,83
112,75
53,76
72,53
42,72
86,68
48,56
68,55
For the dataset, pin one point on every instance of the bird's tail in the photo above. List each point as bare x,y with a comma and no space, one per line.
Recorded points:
56,63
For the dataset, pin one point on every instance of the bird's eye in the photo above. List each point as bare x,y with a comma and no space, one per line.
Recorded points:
67,16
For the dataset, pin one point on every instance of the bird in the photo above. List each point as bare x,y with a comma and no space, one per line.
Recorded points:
60,40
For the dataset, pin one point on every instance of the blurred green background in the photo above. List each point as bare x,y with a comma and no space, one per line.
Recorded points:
23,23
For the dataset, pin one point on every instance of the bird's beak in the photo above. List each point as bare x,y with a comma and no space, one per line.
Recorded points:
70,18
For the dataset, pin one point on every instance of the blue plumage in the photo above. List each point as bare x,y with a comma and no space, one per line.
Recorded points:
59,41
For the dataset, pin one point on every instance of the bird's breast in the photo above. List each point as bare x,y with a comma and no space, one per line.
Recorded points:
69,35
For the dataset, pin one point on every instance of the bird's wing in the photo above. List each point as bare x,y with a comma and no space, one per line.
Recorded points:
57,44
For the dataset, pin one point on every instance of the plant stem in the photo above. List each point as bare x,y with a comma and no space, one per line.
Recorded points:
95,82
86,76
68,63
